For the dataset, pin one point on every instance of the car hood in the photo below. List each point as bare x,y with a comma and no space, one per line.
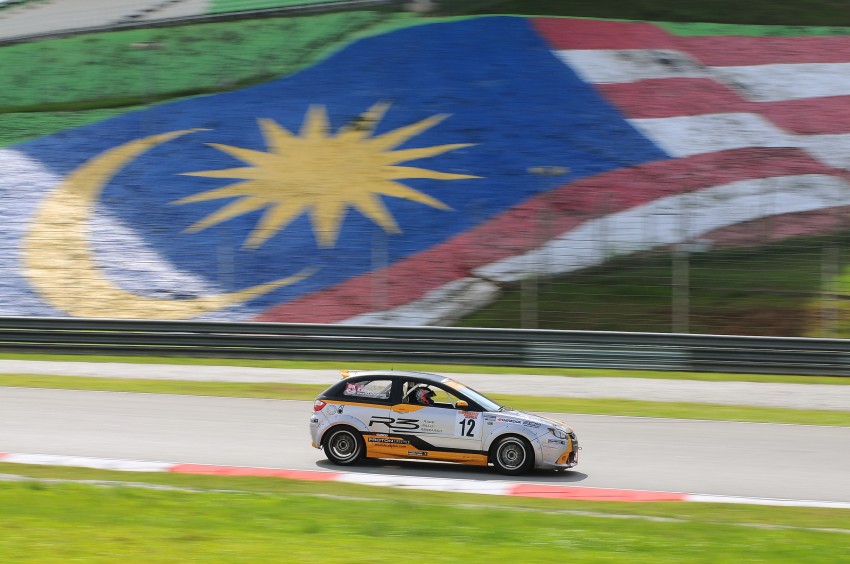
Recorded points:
543,421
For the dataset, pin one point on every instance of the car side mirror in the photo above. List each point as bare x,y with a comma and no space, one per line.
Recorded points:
461,404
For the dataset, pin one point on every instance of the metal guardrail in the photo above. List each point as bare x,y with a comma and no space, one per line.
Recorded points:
444,345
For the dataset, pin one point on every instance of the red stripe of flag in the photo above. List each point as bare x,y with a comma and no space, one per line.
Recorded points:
672,97
565,33
830,114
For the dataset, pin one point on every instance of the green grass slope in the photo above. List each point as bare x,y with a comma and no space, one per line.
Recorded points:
764,289
54,84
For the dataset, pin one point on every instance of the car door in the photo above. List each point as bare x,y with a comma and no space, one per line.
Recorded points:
443,431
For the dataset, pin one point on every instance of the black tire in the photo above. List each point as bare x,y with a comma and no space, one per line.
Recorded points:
343,446
512,455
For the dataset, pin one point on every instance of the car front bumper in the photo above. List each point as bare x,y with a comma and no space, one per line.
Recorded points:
558,454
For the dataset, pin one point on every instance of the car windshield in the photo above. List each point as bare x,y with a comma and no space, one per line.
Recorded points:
480,399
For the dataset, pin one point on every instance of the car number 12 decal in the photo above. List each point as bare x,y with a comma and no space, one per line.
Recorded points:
468,424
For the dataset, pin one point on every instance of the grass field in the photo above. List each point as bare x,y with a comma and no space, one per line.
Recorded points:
259,520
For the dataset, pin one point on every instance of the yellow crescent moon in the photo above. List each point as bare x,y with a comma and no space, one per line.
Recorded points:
59,259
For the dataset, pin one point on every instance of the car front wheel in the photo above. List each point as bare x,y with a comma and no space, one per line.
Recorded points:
512,455
343,446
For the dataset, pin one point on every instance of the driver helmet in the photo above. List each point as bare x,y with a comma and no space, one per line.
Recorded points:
424,396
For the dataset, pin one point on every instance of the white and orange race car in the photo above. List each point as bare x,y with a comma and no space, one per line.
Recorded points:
415,415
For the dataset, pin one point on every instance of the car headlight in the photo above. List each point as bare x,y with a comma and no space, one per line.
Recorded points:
558,433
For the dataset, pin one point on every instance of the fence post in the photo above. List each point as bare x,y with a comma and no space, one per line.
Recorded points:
680,275
829,291
681,289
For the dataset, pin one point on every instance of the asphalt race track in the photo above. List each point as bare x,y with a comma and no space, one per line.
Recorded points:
704,457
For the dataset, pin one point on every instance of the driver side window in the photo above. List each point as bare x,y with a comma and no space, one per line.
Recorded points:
439,397
444,399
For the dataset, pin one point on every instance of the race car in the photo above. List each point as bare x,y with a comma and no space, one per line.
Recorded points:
417,415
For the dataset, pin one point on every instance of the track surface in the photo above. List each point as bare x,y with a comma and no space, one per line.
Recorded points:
707,457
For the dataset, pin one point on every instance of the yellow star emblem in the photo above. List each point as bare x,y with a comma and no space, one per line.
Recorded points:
323,174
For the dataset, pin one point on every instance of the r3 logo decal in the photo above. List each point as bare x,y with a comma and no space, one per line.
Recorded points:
395,424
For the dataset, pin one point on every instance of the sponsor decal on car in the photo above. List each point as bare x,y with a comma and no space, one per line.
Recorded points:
400,424
509,420
469,414
353,389
417,453
531,424
557,442
429,426
359,390
387,440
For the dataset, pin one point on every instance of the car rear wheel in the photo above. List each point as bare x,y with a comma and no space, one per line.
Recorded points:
344,446
512,455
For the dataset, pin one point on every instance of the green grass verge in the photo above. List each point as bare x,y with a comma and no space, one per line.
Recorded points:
262,520
444,368
308,392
